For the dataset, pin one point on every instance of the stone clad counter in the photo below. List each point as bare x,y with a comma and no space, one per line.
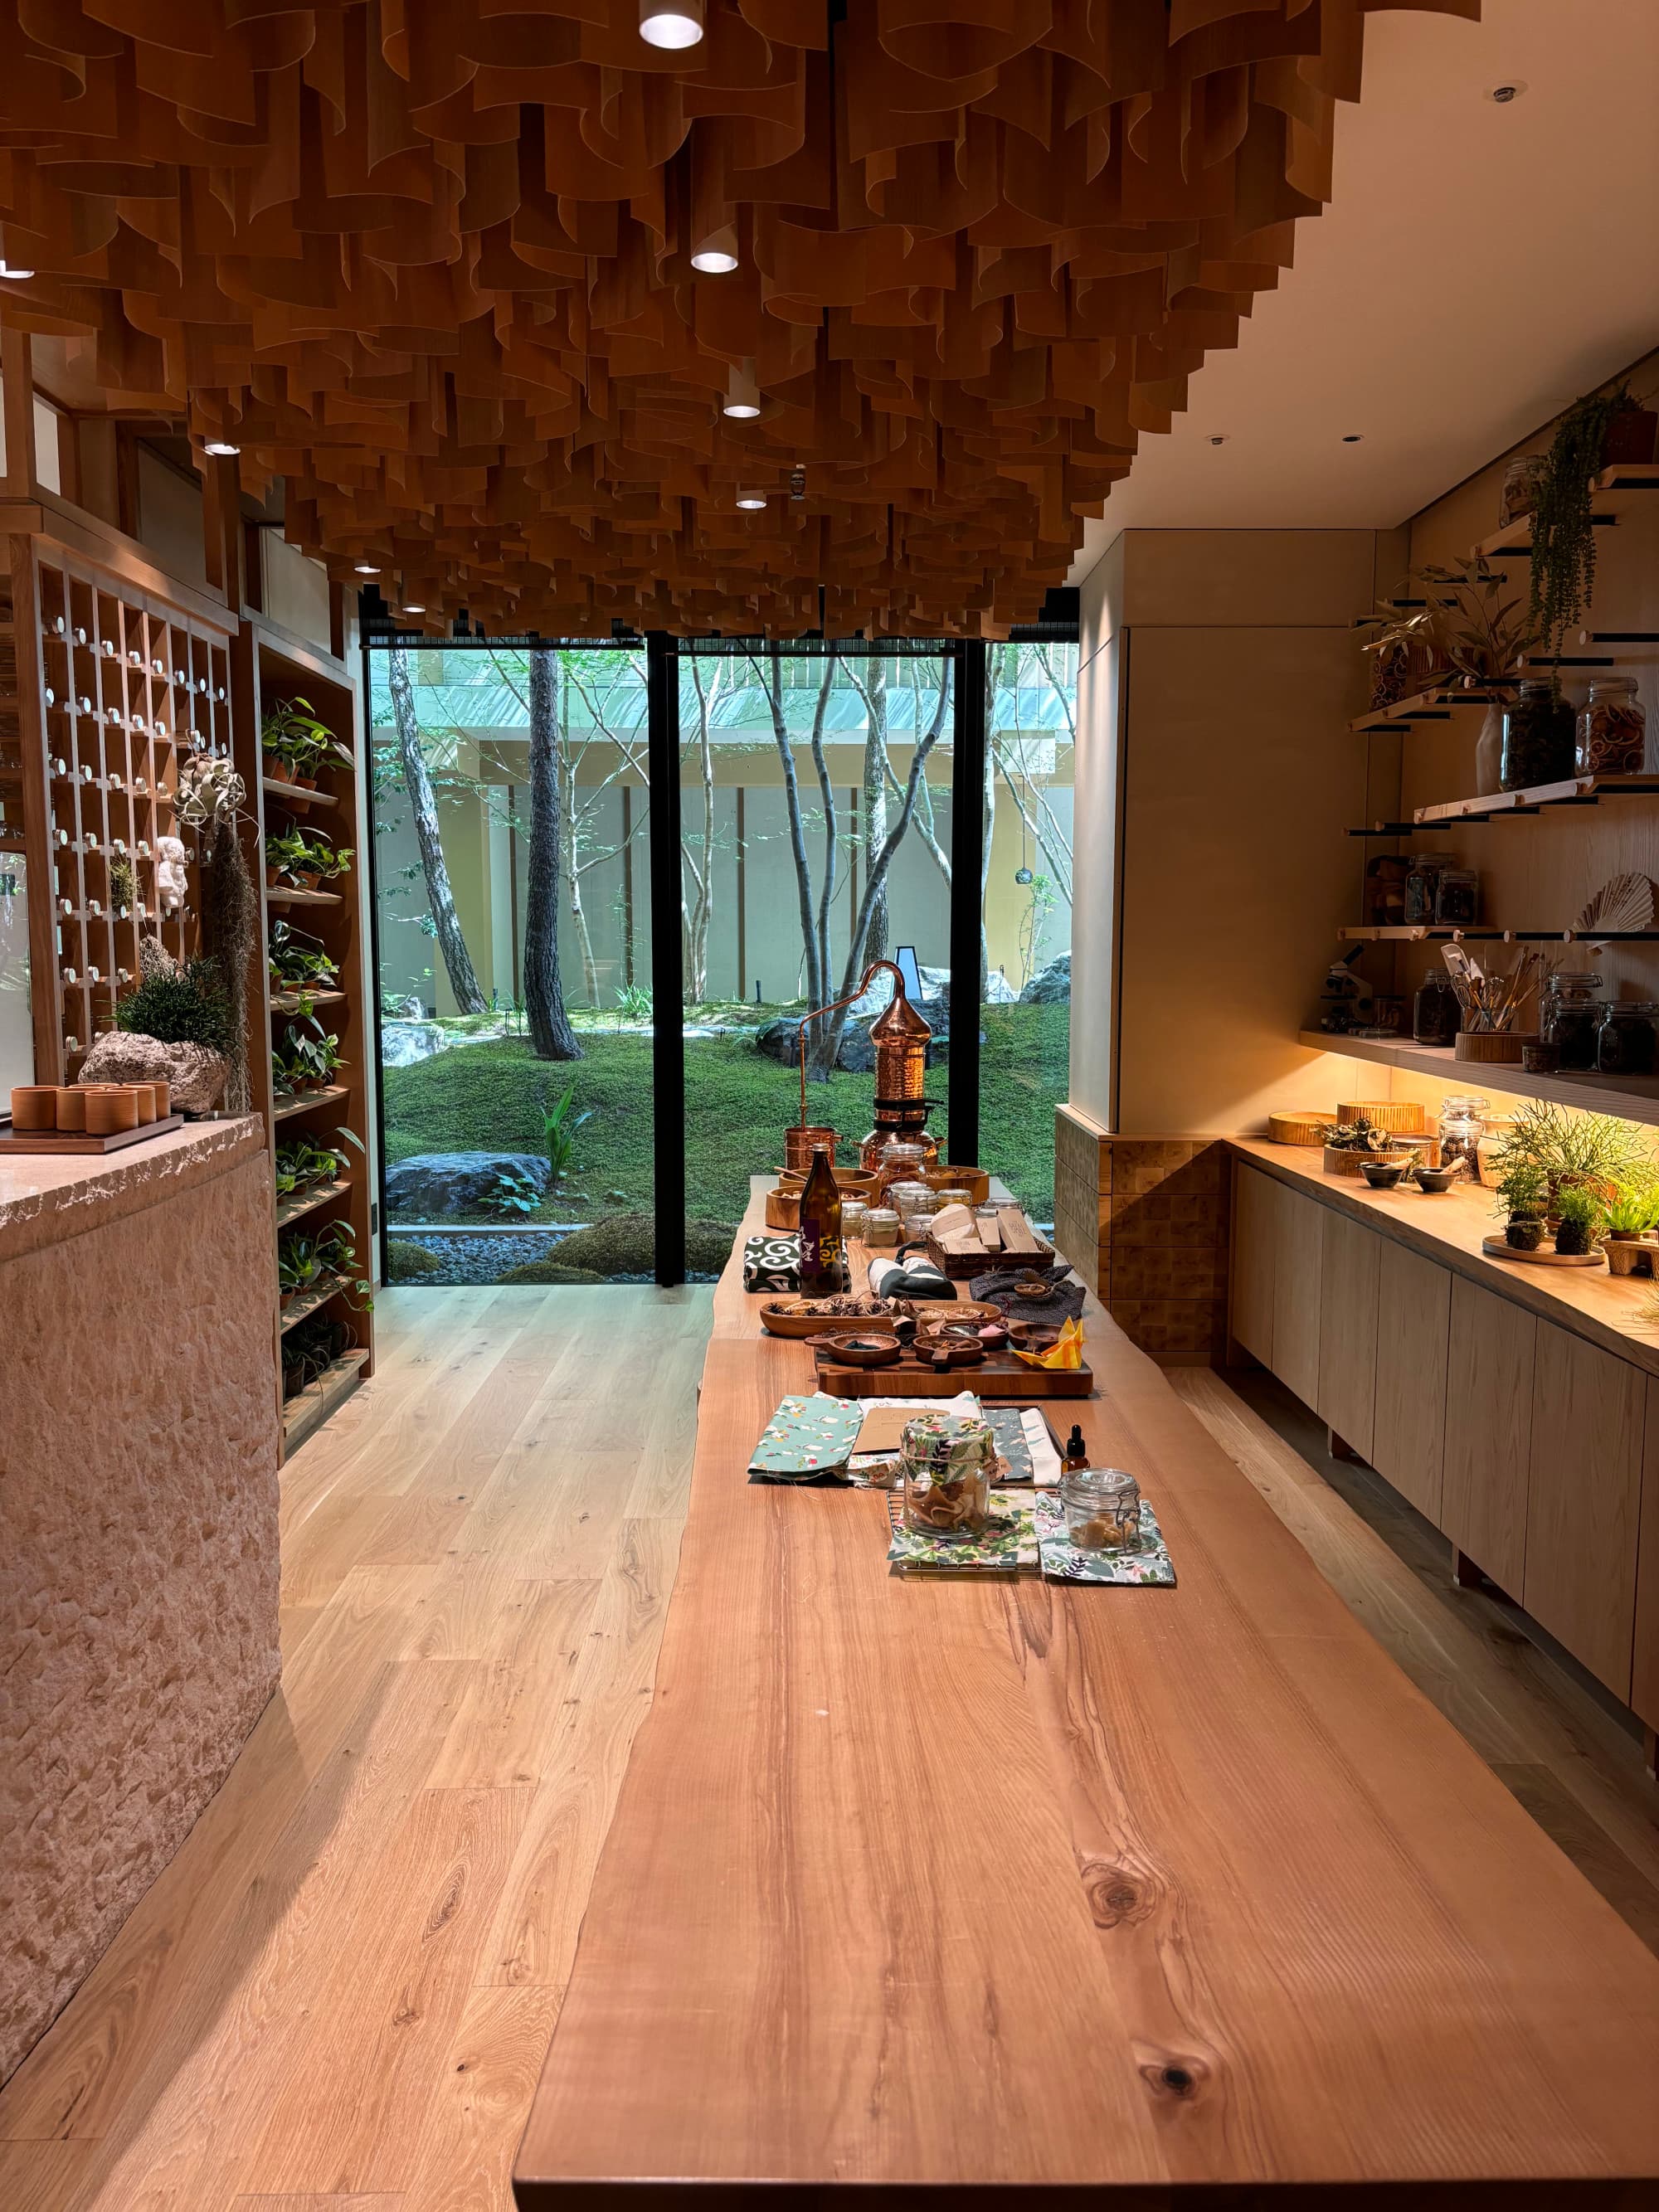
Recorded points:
138,1543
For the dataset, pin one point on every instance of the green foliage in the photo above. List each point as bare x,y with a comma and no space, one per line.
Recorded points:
292,853
298,960
634,1001
406,1262
122,882
330,1258
1634,1208
1572,1148
182,1005
1563,533
1523,1188
551,1271
302,1164
309,1347
1580,1217
306,1055
292,734
512,1192
559,1129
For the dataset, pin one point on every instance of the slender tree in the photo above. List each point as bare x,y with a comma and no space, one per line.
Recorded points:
445,922
872,792
697,910
551,1036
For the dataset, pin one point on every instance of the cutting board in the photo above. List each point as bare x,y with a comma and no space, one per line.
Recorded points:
999,1374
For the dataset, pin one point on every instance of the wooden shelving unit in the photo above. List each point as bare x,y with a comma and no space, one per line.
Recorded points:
1633,1097
1617,491
271,664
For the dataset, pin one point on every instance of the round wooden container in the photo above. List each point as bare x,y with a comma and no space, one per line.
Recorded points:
72,1110
1403,1116
163,1090
1304,1128
976,1182
798,1144
783,1209
111,1108
1496,1047
145,1094
34,1108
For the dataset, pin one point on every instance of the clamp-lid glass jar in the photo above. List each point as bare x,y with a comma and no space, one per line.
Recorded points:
1103,1509
947,1460
1462,1125
1613,728
1569,1015
1422,880
1538,736
1625,1041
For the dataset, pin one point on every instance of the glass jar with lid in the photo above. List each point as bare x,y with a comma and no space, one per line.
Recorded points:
1569,1015
1625,1042
947,1460
1422,881
1103,1509
1457,898
1462,1125
901,1159
1613,728
909,1198
1538,736
881,1227
1436,1014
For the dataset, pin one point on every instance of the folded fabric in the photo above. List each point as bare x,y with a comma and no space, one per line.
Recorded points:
908,1279
808,1438
771,1263
1063,1301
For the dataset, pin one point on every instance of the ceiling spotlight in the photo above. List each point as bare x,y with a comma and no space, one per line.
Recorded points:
220,448
14,276
1353,437
717,254
673,24
413,607
1502,95
366,568
1218,438
742,400
751,499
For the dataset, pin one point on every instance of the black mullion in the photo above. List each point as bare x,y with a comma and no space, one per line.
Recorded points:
966,868
667,980
375,1075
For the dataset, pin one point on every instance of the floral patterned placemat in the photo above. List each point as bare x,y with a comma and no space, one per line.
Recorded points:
1027,1531
810,1437
1062,1562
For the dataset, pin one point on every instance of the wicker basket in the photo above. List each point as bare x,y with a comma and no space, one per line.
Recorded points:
1404,1117
1496,1047
1303,1128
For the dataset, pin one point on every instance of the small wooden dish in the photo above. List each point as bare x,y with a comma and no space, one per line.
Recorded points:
1496,1248
859,1350
797,1317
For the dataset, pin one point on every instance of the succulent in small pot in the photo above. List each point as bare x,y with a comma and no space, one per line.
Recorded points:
1578,1222
1632,1212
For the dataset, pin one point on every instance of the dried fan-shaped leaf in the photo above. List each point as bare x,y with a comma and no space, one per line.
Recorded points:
1623,903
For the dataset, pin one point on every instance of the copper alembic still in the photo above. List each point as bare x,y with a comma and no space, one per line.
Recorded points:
900,1036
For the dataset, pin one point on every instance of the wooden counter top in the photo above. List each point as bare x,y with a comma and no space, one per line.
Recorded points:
922,1882
47,1196
1593,1302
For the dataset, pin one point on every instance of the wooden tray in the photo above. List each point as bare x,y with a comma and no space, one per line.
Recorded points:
1496,1249
998,1376
73,1140
819,1324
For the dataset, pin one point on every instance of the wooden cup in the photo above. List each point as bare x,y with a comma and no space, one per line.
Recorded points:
34,1108
111,1108
145,1094
163,1099
72,1108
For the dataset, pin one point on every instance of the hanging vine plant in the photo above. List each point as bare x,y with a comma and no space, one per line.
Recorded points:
1563,530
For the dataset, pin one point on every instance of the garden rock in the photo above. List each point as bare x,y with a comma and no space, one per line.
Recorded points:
404,1044
411,1009
197,1075
781,1040
1050,985
432,1183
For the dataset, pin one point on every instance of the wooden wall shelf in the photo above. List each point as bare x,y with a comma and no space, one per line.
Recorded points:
1616,492
1423,706
1631,1098
301,1308
291,1210
1412,932
309,1408
283,894
293,795
1575,791
284,1108
295,1002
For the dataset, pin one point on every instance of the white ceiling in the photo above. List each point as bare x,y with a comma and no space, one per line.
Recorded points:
1478,266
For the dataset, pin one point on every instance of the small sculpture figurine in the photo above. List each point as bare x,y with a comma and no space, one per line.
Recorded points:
170,883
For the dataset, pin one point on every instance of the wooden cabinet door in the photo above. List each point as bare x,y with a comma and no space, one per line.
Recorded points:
1644,1672
1255,1243
1584,1501
1349,1255
1413,1316
1489,1400
1297,1256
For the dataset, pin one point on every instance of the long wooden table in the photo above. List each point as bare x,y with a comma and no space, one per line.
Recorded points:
924,1883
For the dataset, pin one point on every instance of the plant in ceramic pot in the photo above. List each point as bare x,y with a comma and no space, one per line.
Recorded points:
292,740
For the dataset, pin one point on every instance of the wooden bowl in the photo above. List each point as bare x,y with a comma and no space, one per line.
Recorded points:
859,1349
784,1316
976,1182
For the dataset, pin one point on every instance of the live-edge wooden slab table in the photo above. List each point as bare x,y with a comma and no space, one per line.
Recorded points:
1173,1896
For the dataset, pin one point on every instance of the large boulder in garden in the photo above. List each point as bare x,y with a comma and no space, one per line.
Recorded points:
432,1183
781,1040
1050,985
197,1076
404,1044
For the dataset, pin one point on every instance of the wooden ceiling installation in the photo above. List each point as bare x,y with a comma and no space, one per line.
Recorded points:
432,261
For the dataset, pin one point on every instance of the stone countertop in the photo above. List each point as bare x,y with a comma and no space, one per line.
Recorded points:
46,1197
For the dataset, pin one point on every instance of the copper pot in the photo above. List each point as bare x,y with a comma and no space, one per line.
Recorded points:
799,1143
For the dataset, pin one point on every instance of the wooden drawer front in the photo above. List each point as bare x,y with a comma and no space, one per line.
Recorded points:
1296,1265
1414,1318
1255,1240
1584,1501
1349,1257
1644,1672
1489,1402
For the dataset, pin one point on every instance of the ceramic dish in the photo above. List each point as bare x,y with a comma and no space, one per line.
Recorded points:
1383,1175
1435,1180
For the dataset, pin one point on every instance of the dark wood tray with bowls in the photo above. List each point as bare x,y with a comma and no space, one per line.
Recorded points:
802,1317
76,1140
943,1356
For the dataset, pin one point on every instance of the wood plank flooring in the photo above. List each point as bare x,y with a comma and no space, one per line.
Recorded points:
337,1996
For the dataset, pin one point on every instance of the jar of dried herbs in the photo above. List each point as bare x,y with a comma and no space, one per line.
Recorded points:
1462,1125
1435,1015
1538,737
1624,1042
1613,728
1421,882
1570,1015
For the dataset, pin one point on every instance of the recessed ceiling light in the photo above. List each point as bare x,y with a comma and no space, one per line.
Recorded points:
1353,437
221,449
414,607
1218,438
366,568
1502,95
674,24
14,276
739,410
713,261
751,498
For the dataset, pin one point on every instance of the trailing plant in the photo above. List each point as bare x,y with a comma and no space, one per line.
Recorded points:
180,1003
291,735
1563,528
559,1129
1580,1220
1360,1135
512,1192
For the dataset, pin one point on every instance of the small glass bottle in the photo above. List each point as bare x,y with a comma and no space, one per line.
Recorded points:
1613,733
1569,1015
1538,736
1624,1042
1462,1125
1076,1454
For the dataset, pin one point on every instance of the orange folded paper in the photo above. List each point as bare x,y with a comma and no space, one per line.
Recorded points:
1067,1353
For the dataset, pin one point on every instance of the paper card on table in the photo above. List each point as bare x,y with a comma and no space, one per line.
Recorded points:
883,1427
808,1437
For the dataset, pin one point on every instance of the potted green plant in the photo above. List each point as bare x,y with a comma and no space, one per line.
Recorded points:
291,739
285,855
1630,1218
1601,424
1570,1147
1522,1189
1577,1223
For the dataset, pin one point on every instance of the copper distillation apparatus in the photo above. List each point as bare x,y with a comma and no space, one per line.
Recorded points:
900,1036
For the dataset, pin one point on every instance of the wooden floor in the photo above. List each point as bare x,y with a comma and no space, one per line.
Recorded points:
339,1993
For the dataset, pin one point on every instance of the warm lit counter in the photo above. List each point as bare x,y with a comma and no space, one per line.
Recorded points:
1137,1896
138,1549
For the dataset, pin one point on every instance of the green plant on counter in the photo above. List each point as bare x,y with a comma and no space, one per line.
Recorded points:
1360,1135
1523,1191
1562,526
1634,1210
1579,1221
1574,1149
185,1004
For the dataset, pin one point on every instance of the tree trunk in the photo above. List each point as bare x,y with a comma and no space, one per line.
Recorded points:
457,961
797,831
874,802
697,912
550,1034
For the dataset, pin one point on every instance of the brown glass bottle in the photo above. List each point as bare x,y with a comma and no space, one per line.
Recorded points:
821,1271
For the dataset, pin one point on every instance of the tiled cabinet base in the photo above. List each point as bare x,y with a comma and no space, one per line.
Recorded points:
1143,1221
1535,1452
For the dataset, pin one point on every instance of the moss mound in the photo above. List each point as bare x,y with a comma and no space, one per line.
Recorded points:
406,1262
625,1245
549,1271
